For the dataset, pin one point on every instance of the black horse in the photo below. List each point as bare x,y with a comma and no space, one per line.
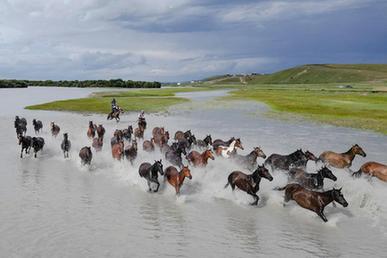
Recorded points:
26,143
311,181
249,183
37,144
285,162
38,125
205,143
20,125
127,133
188,142
150,173
66,145
173,155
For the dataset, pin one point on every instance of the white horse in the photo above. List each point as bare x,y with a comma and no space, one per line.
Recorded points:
226,152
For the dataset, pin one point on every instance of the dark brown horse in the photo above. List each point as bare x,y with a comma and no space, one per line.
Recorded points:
131,152
173,155
373,168
160,137
118,150
26,144
249,183
150,173
142,123
55,129
311,200
91,130
219,142
37,144
115,114
139,133
97,143
176,178
100,131
148,146
205,143
311,181
179,135
342,160
200,160
250,160
118,134
297,159
86,155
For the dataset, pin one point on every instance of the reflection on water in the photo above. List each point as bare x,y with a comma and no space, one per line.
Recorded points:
54,207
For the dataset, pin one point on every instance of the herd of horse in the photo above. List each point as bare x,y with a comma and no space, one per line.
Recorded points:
185,151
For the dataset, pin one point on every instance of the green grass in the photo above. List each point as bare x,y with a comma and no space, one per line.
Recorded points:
360,107
152,100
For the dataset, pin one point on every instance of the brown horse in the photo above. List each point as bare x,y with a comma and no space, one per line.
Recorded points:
179,135
86,155
176,178
115,114
139,133
97,143
100,131
250,160
373,168
142,123
311,200
341,160
148,146
158,130
55,129
161,137
200,160
131,152
249,183
91,130
118,150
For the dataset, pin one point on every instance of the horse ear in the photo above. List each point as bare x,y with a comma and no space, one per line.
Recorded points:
340,189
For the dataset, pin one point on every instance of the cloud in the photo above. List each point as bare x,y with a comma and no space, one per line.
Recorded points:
183,39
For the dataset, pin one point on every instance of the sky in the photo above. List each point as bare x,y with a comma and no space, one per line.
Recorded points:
179,40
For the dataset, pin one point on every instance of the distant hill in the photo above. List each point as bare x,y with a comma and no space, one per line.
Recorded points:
313,73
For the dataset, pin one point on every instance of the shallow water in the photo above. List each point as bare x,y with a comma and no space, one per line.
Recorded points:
55,207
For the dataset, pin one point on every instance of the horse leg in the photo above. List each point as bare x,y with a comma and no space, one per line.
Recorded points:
255,197
35,153
21,153
321,215
177,188
149,185
157,188
286,199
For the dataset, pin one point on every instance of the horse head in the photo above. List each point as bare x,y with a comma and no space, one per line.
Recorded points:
209,154
259,152
327,173
186,172
261,171
358,150
158,165
339,197
310,156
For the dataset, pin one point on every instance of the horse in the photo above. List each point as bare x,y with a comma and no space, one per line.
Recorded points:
97,143
205,143
65,145
188,142
86,155
176,178
285,162
226,152
373,168
311,181
200,160
38,125
250,160
249,183
20,125
342,160
118,150
173,155
161,137
91,130
150,173
26,143
142,123
148,146
179,135
311,200
117,137
115,114
100,131
37,144
127,133
158,130
131,152
139,133
55,129
219,142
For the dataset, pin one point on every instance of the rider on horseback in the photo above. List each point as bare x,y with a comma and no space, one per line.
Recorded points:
141,116
114,105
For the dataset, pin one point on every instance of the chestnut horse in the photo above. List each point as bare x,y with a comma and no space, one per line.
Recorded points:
150,173
100,131
249,183
86,155
118,150
373,168
55,129
97,143
91,130
311,200
176,178
200,160
148,146
342,160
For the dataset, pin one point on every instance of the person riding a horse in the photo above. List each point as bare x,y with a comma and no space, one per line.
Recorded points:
114,105
141,116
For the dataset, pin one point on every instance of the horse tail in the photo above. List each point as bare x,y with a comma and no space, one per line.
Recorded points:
279,188
228,183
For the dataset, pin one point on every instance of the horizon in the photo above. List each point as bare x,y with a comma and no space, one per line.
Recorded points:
173,41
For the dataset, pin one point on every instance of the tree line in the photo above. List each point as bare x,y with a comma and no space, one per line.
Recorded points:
113,83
